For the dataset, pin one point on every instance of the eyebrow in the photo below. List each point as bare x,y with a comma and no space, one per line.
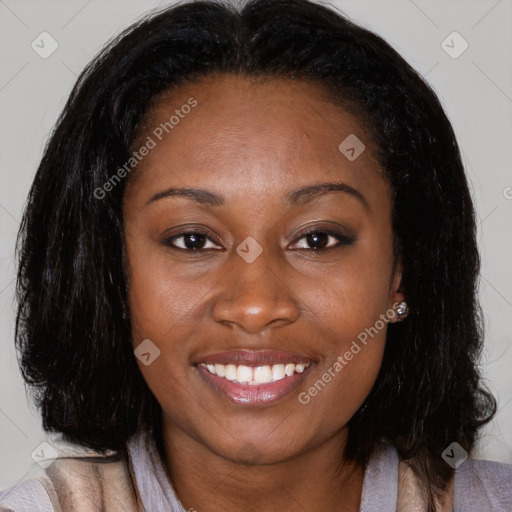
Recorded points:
306,194
295,197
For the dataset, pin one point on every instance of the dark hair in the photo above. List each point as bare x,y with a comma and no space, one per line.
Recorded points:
73,323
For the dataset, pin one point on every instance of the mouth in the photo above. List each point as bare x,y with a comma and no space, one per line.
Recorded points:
254,377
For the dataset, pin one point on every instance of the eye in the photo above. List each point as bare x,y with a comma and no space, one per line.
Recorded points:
318,240
194,240
321,240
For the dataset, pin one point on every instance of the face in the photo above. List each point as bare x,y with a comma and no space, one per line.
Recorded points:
266,306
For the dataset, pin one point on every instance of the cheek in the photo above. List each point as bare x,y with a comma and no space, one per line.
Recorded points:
350,375
353,308
166,310
162,312
160,302
353,357
355,292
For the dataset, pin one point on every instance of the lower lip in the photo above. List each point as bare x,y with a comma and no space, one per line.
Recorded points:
258,394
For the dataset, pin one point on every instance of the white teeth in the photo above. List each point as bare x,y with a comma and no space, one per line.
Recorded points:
244,374
289,369
258,375
278,372
263,374
230,372
220,370
299,368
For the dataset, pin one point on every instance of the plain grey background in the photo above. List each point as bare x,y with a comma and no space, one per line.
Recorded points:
474,85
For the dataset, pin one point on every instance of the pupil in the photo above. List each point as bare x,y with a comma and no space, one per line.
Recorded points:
316,238
196,239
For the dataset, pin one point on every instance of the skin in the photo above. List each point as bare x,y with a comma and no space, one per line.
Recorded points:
253,142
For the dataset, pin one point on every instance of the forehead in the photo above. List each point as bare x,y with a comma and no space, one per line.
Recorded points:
244,135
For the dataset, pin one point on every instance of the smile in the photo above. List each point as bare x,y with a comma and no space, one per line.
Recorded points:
253,376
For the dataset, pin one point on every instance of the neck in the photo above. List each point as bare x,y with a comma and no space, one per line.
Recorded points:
317,479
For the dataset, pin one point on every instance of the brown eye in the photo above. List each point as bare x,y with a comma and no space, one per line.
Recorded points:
320,240
189,241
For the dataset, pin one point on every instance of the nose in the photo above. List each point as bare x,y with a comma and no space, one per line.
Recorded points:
255,297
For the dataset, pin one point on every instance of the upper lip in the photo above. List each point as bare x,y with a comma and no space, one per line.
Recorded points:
255,358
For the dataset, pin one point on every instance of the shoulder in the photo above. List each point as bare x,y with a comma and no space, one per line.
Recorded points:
73,484
477,486
29,495
483,485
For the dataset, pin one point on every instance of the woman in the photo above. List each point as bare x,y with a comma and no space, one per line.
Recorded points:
248,267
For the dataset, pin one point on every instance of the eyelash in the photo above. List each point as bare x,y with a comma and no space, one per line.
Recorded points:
343,240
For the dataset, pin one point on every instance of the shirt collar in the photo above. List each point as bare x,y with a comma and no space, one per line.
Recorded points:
380,484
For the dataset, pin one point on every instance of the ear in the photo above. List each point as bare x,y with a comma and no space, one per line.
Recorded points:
396,292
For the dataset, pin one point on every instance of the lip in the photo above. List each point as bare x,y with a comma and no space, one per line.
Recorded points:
253,395
254,358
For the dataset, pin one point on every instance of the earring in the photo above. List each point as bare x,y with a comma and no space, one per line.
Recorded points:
402,311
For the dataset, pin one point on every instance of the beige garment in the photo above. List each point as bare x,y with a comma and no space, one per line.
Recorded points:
78,486
411,496
87,486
